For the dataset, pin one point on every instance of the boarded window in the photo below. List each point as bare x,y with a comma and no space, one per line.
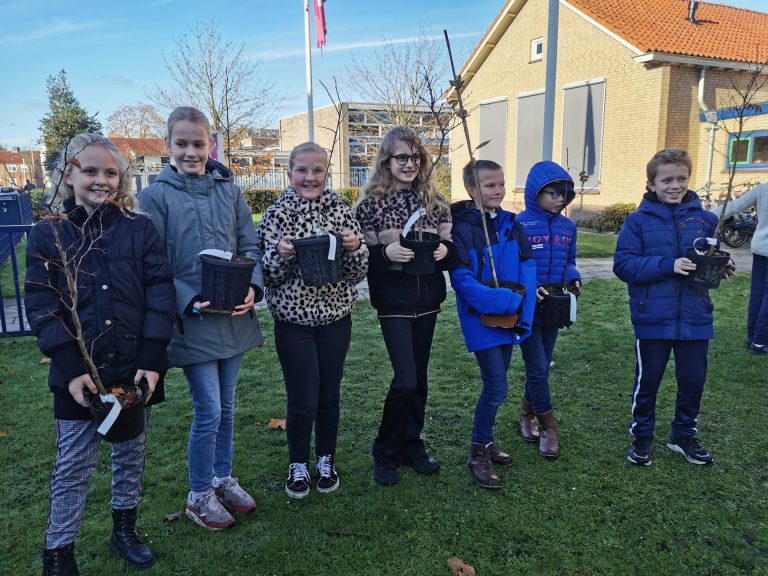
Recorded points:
530,135
583,132
493,127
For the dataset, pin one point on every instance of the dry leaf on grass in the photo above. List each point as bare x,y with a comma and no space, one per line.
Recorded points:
44,360
277,424
172,516
459,568
3,434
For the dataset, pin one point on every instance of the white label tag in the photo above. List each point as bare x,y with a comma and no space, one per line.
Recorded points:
412,220
573,306
216,252
113,413
332,247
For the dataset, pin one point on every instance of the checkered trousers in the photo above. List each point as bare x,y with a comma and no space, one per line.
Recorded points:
77,455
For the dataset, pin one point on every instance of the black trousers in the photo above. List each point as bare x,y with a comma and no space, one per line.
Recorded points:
312,359
409,342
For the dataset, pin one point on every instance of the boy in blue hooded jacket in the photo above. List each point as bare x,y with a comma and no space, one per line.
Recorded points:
492,346
552,236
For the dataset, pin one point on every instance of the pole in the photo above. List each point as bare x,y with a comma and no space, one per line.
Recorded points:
308,46
551,78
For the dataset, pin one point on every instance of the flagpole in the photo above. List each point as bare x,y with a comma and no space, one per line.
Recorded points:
308,44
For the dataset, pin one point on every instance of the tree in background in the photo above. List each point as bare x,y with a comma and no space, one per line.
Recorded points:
220,79
140,120
65,118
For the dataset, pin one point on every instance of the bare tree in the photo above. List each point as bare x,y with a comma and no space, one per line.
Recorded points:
220,79
140,120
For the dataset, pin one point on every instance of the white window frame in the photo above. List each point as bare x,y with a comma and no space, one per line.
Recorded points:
537,56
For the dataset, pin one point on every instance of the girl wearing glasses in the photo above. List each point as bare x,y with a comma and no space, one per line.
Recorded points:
407,305
313,324
552,236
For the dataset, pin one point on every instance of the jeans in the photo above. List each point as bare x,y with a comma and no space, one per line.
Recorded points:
757,314
212,385
537,354
494,363
691,373
312,359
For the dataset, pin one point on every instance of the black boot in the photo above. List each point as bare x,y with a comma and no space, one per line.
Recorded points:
60,561
125,540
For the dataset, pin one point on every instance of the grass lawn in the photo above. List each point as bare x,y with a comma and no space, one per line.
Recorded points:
6,271
594,245
589,512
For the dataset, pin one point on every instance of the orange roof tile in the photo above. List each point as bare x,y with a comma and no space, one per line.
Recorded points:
131,147
8,157
720,32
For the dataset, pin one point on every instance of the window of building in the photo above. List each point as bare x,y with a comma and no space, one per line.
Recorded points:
11,168
582,140
165,160
749,151
493,129
530,134
537,49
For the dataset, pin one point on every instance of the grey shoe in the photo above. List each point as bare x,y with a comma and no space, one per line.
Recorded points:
234,497
208,512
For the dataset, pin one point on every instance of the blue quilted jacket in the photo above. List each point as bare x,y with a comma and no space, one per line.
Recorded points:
662,304
552,236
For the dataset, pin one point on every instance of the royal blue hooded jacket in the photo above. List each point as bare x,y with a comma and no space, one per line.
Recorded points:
552,236
662,304
512,257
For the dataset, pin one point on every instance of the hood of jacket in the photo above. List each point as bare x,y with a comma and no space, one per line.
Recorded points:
465,211
169,175
544,174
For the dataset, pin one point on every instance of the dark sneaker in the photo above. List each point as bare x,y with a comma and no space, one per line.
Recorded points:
234,497
640,451
208,512
690,447
328,478
297,485
758,350
385,474
423,464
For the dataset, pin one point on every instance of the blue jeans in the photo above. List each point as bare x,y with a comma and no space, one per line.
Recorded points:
537,354
757,315
212,385
494,363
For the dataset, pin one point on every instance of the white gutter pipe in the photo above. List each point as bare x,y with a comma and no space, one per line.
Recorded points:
712,129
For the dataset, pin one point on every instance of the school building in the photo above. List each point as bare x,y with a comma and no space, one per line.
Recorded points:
633,77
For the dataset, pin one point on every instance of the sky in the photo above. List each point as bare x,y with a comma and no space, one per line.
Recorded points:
113,50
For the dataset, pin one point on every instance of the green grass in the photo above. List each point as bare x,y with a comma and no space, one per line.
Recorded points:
587,513
6,272
594,245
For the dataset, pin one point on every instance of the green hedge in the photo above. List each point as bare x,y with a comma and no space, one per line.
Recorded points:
260,200
610,218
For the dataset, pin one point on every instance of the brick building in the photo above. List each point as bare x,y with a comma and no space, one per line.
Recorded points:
17,166
632,78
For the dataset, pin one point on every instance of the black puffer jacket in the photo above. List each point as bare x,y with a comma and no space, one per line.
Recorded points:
126,299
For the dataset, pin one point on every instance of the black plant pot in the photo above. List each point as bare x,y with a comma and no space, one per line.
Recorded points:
504,320
130,422
423,252
225,282
315,267
555,310
709,269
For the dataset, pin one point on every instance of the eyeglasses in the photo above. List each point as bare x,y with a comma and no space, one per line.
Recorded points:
402,159
554,194
317,171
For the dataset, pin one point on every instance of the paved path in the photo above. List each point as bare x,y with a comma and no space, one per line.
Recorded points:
589,267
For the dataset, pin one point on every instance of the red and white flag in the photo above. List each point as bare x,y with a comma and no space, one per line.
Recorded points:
320,28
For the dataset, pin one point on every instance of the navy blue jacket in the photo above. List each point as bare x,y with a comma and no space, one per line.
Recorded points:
552,236
512,258
662,304
126,299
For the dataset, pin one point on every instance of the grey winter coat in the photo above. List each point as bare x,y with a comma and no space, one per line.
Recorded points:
194,213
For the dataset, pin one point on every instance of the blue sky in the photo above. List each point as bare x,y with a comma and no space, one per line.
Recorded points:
112,50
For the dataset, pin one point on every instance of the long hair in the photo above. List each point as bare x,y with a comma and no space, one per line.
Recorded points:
381,183
68,157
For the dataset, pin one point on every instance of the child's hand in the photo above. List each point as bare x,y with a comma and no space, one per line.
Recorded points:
76,386
684,266
198,306
397,253
152,379
247,304
441,252
730,269
540,293
349,240
285,248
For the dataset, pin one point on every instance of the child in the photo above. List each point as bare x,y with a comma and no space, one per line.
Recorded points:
492,345
195,207
125,302
407,305
548,190
313,324
667,313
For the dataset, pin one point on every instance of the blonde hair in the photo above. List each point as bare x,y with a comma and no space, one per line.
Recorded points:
190,114
68,157
381,183
304,148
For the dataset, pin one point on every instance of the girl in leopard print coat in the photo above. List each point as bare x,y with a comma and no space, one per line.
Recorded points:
313,325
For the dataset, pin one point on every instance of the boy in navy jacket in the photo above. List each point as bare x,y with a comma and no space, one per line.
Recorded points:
492,346
668,314
552,236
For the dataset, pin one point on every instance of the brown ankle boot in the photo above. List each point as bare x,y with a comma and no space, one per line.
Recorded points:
498,456
549,444
481,468
528,428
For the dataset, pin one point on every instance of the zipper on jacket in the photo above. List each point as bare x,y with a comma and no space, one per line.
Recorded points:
551,243
678,243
